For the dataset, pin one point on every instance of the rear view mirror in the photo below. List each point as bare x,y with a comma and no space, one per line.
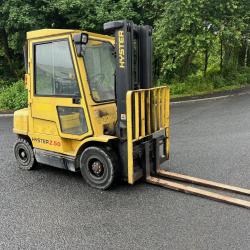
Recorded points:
80,41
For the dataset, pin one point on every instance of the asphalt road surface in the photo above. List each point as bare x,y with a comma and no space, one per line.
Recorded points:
49,208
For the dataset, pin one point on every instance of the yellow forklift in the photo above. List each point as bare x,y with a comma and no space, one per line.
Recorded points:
92,108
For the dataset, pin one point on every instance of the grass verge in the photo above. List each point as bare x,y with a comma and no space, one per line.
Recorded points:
186,91
197,85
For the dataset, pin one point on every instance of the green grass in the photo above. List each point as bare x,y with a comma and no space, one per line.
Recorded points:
185,89
213,83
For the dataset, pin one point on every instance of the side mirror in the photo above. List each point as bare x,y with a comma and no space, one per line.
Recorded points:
80,41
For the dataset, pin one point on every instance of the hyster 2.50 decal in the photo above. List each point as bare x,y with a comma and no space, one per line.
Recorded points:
48,142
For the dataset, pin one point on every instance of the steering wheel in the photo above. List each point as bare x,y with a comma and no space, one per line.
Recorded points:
97,79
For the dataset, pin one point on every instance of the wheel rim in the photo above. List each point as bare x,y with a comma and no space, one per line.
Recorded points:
23,155
96,168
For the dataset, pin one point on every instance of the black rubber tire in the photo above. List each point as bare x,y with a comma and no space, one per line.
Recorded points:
24,154
108,160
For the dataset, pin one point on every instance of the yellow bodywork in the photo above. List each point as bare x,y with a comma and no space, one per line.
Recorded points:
40,120
147,109
21,122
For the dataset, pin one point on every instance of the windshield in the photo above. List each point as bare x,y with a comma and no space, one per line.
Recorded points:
100,65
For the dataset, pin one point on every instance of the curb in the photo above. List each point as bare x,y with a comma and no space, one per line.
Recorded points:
202,99
6,115
226,93
210,98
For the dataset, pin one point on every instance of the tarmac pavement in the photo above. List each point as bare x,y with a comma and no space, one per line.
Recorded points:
49,208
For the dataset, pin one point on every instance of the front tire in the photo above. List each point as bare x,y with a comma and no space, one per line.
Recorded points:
24,154
98,166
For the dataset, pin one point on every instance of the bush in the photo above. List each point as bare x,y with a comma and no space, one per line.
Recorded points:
196,84
13,96
4,84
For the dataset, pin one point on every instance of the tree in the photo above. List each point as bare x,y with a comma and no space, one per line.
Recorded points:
16,18
187,33
189,27
91,14
181,32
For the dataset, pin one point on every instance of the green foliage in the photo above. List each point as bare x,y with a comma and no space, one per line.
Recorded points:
4,84
13,96
91,14
214,82
188,28
193,39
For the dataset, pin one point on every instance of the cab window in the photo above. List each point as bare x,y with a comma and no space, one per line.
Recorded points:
100,66
54,70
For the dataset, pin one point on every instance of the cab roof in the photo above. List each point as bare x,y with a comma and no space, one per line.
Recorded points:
54,32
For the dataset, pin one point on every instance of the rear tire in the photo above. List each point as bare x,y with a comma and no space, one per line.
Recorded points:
24,154
98,166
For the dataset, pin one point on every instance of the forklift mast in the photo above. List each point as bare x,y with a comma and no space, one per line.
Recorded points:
133,64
